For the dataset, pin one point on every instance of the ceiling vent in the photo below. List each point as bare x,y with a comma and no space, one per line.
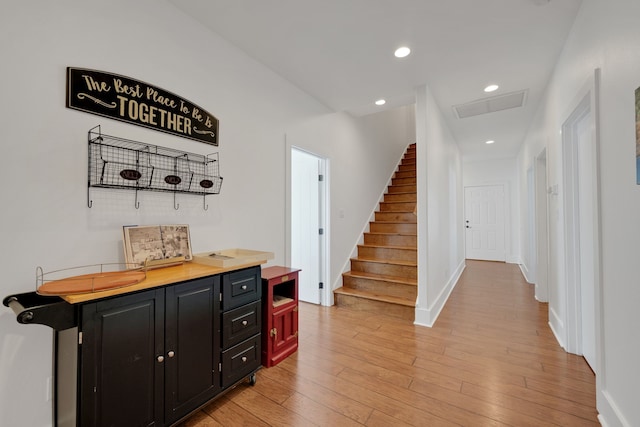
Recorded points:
491,104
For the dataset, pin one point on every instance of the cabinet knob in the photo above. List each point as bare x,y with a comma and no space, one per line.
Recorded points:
171,354
160,359
245,323
244,359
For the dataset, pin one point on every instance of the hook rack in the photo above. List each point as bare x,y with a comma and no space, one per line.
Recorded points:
125,164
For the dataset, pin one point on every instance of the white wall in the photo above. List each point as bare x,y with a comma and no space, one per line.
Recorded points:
440,209
363,153
45,218
500,172
606,35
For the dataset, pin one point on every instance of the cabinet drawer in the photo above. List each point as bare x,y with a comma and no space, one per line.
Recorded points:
240,360
241,287
240,323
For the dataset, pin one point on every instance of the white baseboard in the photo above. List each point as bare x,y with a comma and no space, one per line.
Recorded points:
525,273
609,413
557,327
426,316
512,259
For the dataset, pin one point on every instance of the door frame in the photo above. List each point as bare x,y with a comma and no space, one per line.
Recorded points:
586,101
326,294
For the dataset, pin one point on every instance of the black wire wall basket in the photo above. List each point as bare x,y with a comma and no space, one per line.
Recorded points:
131,165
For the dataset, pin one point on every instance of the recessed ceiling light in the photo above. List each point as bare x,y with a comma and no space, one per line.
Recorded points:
491,88
491,141
401,52
381,102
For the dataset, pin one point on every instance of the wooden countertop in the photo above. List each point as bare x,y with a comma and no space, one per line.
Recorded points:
159,277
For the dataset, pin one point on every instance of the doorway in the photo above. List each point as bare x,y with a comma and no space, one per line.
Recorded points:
582,230
485,223
308,223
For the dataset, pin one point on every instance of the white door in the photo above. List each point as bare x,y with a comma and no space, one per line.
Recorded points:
306,222
484,222
586,191
542,225
582,254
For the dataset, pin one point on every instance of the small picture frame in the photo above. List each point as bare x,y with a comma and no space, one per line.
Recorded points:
157,245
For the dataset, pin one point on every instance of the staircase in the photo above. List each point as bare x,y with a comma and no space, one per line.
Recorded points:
383,277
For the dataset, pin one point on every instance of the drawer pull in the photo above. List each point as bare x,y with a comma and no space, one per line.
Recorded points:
245,323
244,359
160,359
243,287
171,354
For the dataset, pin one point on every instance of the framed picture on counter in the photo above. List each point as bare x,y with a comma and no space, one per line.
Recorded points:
154,245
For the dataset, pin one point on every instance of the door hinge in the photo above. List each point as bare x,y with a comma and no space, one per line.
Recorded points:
320,285
220,296
320,178
273,332
79,338
220,367
321,231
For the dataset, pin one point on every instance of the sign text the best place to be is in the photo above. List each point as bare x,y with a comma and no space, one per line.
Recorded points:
129,100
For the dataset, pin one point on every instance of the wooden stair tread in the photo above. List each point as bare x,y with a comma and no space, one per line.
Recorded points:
400,192
393,222
394,212
382,233
387,261
412,248
374,296
381,277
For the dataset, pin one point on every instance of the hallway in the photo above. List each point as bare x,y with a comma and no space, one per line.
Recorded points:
490,359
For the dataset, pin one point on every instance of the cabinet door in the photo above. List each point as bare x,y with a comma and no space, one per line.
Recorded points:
284,335
121,375
192,345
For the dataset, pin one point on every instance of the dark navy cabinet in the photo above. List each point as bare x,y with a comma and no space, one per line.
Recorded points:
151,357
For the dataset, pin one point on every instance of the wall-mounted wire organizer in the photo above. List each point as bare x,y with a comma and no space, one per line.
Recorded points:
131,165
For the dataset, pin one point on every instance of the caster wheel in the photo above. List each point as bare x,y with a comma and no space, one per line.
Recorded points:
252,379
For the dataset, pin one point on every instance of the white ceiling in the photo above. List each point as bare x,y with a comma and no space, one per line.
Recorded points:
341,53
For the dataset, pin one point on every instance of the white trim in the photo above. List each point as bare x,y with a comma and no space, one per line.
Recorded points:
585,101
609,413
512,259
428,316
557,327
525,272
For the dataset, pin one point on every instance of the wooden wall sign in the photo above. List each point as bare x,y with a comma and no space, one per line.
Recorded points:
129,100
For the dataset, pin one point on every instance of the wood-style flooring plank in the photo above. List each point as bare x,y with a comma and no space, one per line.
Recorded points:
489,360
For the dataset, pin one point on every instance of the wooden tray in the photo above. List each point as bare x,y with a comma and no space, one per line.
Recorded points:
92,282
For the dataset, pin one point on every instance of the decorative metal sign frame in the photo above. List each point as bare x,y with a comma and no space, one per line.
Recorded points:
132,101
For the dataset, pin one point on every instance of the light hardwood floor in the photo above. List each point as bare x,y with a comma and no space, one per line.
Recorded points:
490,360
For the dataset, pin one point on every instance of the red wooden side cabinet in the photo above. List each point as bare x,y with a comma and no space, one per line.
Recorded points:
280,312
